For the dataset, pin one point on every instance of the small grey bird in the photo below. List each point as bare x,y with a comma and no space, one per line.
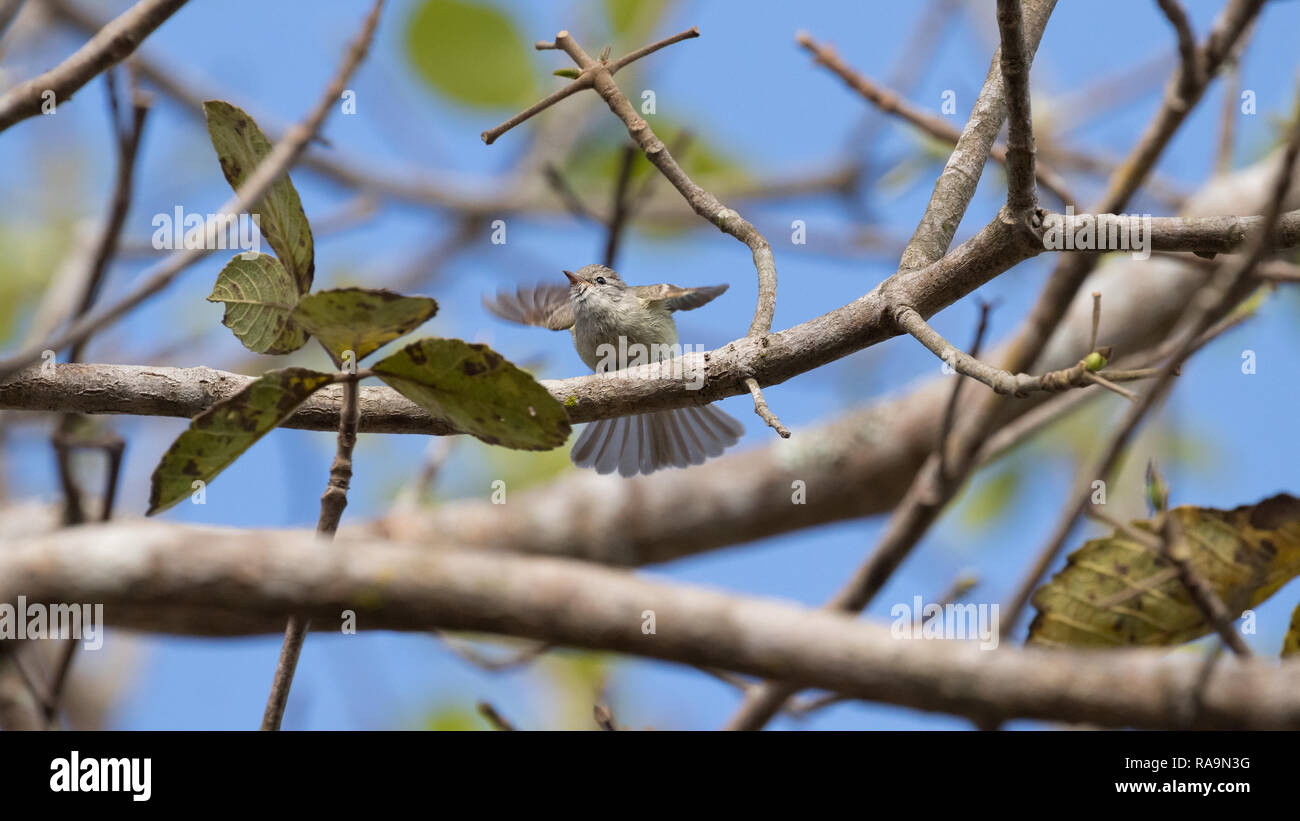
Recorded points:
606,314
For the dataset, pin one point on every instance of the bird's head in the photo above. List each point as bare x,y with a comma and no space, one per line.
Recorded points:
596,286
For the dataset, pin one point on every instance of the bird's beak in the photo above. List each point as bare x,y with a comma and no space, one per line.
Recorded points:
574,279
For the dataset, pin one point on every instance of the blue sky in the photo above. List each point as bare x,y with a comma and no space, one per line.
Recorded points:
1225,438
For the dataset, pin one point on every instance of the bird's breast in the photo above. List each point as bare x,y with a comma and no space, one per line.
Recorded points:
609,341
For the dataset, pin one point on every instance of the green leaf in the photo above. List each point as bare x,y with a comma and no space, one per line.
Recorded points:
218,435
471,53
240,147
259,296
991,498
570,73
628,17
361,320
477,390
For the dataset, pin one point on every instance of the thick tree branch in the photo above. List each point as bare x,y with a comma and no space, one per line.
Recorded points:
1014,59
215,581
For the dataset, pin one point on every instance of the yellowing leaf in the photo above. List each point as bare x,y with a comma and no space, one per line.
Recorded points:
241,147
361,320
1291,642
259,295
471,52
218,435
478,391
1115,591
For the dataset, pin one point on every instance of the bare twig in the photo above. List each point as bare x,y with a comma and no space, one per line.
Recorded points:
1173,546
929,123
1187,51
763,411
604,718
584,81
1005,382
572,202
332,503
494,718
110,45
491,664
619,207
950,410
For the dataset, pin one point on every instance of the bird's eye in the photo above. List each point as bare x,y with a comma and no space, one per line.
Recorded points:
600,280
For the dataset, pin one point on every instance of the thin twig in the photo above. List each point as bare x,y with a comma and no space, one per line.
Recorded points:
1005,382
1147,540
764,412
1187,50
583,81
572,202
493,717
332,503
619,211
112,44
512,661
1173,546
931,124
604,718
950,410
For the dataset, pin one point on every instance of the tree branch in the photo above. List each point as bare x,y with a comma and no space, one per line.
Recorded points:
216,581
931,124
112,44
1014,59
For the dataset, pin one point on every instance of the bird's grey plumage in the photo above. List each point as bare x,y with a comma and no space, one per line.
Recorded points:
600,309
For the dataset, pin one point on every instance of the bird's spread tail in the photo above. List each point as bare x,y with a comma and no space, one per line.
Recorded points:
650,441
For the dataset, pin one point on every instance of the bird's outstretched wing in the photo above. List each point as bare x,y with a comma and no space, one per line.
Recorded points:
546,306
679,299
